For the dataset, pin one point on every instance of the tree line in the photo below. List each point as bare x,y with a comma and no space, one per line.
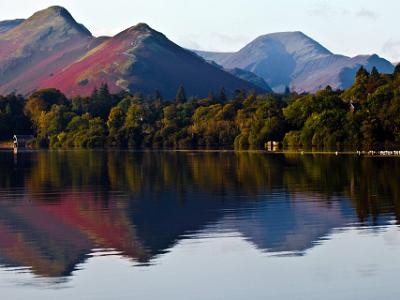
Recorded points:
364,116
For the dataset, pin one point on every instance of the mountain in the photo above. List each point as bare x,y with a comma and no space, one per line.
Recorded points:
50,49
337,71
245,75
39,47
293,59
142,59
9,24
250,77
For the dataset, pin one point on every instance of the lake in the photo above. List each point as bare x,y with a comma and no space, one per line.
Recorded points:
198,225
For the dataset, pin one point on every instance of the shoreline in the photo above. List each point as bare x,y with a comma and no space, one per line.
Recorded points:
5,147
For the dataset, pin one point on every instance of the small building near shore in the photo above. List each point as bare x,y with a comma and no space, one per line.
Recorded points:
272,146
21,141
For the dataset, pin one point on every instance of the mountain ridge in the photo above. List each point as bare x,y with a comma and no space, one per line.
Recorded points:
7,25
143,59
39,46
51,49
295,60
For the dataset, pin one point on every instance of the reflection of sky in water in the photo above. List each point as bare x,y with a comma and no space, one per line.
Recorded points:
352,264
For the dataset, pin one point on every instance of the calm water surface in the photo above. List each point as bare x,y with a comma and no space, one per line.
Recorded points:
197,225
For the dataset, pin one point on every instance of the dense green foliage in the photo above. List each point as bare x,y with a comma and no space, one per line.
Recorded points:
13,120
365,116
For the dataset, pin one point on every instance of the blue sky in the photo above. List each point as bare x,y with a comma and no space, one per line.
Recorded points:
346,27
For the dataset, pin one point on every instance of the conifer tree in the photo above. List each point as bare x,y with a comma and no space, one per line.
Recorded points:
211,96
222,95
158,96
375,75
104,93
95,93
396,72
181,95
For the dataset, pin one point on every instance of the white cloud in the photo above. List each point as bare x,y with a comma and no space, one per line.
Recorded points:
392,49
366,13
189,43
323,9
231,42
108,31
213,42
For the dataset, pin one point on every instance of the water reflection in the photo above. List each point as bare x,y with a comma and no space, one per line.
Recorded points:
56,207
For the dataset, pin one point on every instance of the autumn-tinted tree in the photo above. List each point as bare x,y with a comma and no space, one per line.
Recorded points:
42,101
116,119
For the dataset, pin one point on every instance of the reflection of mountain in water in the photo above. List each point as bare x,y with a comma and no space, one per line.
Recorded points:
288,225
53,237
55,207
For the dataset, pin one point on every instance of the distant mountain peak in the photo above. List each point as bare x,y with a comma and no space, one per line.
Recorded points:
142,27
39,46
57,10
56,16
135,31
294,41
286,33
296,60
52,12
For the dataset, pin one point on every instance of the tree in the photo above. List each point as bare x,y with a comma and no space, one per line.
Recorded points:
375,80
116,118
358,92
396,73
222,95
135,117
104,92
181,95
96,133
80,105
84,132
115,124
239,94
158,96
324,129
42,101
267,124
362,74
101,102
375,75
211,96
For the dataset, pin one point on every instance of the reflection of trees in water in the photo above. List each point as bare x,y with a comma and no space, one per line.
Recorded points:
78,193
370,183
